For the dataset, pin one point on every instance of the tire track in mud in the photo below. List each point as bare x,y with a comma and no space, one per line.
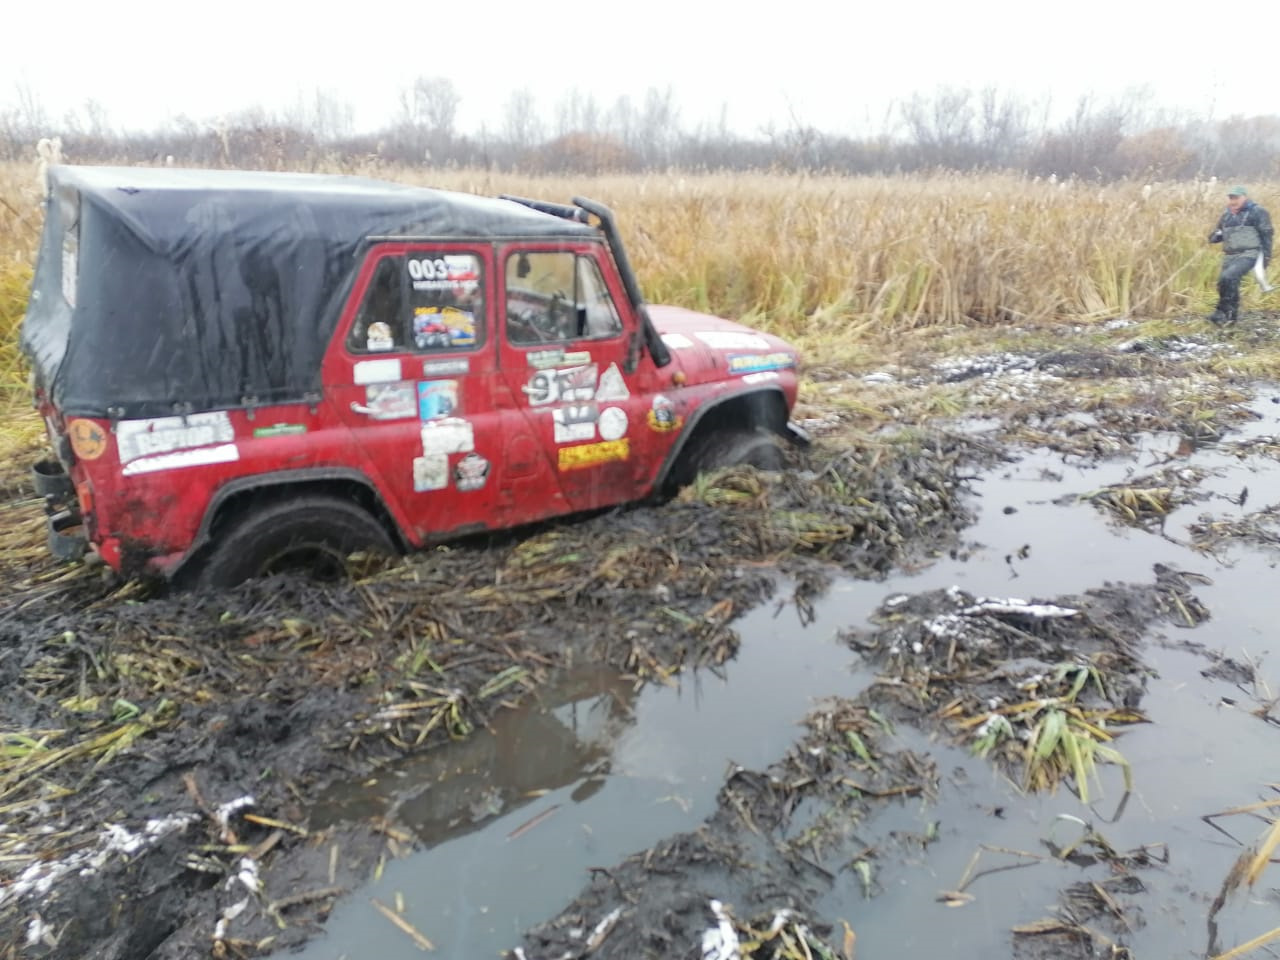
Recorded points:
781,838
169,707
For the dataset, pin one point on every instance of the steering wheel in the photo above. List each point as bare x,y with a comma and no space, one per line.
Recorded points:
558,315
526,322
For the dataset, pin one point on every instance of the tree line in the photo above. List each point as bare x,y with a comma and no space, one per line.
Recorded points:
951,128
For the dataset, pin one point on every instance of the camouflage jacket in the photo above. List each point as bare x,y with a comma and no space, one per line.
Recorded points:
1248,231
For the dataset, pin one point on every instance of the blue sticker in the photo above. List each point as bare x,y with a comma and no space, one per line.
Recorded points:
437,399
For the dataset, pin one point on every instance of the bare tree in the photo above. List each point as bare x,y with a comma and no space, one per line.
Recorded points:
521,126
659,128
1086,144
941,128
577,112
428,111
1003,129
431,104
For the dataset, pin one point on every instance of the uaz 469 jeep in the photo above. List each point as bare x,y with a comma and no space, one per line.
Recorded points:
240,369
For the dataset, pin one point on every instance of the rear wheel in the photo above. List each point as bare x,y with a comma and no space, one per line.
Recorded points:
314,534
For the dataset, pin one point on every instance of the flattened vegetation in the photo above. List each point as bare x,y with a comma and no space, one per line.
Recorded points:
275,687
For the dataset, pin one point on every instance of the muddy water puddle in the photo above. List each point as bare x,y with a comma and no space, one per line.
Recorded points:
1195,757
512,822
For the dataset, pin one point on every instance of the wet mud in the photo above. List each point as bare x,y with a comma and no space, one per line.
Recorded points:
968,675
137,708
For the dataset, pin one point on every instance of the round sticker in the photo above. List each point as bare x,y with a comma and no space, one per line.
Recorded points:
613,423
88,440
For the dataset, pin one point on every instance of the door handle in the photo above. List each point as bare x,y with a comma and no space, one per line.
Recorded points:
367,411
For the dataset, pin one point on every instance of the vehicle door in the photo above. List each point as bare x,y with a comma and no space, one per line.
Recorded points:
412,371
568,353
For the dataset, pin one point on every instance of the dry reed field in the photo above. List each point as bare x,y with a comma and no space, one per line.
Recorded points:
824,260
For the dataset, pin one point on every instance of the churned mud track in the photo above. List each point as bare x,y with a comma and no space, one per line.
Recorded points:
158,746
973,671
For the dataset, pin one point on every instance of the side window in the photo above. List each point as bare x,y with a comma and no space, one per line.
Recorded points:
557,297
379,325
421,303
599,315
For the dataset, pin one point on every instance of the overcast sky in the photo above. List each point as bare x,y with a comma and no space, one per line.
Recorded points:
834,66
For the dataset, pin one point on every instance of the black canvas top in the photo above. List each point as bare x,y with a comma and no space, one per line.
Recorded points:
162,290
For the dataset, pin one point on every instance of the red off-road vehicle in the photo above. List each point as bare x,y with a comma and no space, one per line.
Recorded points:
239,370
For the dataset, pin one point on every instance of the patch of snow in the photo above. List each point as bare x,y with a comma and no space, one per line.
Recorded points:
721,941
1019,607
229,809
37,930
115,840
955,369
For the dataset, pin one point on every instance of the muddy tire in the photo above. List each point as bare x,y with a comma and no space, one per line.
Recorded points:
311,533
757,448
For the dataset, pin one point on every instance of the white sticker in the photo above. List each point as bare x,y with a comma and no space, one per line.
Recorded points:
454,272
762,377
379,338
444,368
575,423
452,435
613,423
391,401
677,341
471,473
430,473
226,453
142,438
612,386
543,359
377,371
575,384
733,340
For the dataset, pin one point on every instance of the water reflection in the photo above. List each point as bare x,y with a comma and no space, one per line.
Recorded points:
512,820
564,737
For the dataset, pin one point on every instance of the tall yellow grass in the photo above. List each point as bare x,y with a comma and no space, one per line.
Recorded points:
824,258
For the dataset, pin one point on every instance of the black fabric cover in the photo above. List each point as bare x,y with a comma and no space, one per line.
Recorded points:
203,289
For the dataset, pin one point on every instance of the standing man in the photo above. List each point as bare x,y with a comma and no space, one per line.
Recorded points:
1245,232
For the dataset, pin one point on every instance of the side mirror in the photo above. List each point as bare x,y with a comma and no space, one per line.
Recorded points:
523,269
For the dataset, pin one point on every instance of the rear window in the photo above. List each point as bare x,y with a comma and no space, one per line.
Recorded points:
69,212
422,303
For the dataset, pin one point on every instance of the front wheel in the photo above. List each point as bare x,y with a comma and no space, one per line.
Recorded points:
756,447
312,533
